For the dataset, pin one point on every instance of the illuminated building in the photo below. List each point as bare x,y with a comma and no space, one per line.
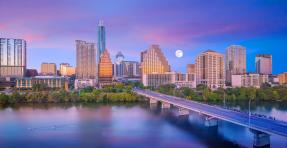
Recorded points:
105,69
154,61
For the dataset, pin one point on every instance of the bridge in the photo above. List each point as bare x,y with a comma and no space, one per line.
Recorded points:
261,127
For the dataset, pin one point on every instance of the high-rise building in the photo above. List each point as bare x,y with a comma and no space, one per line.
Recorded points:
105,69
86,60
154,61
131,69
101,39
49,69
264,64
235,61
190,68
66,69
12,57
126,70
210,69
118,73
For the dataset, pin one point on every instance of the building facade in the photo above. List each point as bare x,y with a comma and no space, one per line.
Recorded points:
154,61
180,80
190,68
235,61
67,70
118,67
86,60
249,80
101,39
48,69
264,64
49,81
105,69
210,69
282,78
12,57
83,83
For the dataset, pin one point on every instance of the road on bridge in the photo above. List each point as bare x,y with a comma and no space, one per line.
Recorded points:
254,122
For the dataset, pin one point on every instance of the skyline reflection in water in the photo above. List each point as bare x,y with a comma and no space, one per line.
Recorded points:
118,125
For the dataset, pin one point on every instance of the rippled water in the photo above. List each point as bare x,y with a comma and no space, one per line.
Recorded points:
122,125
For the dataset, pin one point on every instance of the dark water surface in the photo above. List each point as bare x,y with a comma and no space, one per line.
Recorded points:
123,125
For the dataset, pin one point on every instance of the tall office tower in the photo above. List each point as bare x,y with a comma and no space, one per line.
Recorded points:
101,39
119,65
12,57
86,60
105,69
264,64
66,69
235,61
154,61
49,69
190,68
210,69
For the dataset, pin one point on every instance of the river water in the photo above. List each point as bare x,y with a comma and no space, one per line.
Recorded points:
124,125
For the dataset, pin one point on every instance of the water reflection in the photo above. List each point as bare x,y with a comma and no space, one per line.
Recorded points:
120,125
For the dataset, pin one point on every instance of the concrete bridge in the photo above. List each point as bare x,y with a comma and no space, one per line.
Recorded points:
261,127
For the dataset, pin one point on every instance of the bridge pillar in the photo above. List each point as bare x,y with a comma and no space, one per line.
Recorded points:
182,111
152,101
165,105
261,139
210,121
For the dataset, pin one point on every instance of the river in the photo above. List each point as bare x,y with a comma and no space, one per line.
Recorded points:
124,125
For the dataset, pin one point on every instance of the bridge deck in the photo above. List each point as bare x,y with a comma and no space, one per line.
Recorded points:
262,124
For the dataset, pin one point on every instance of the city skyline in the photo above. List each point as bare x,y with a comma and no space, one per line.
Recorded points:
260,27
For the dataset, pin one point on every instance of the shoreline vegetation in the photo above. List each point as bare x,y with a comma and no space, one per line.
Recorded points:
123,93
40,94
204,94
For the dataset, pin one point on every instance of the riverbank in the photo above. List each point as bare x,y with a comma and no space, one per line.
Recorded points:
118,93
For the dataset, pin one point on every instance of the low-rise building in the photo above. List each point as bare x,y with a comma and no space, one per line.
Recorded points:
180,80
49,81
249,80
83,83
282,78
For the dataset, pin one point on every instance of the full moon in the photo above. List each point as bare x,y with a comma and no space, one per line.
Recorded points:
179,53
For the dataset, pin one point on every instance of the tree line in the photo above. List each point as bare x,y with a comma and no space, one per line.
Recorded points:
116,93
203,93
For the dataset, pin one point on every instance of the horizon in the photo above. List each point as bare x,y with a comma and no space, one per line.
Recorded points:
192,26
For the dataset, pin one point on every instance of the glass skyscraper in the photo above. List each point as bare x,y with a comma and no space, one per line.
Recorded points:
101,40
12,57
235,61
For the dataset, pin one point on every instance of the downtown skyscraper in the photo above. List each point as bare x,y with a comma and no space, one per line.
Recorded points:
101,40
86,60
154,61
235,61
12,57
263,64
210,69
